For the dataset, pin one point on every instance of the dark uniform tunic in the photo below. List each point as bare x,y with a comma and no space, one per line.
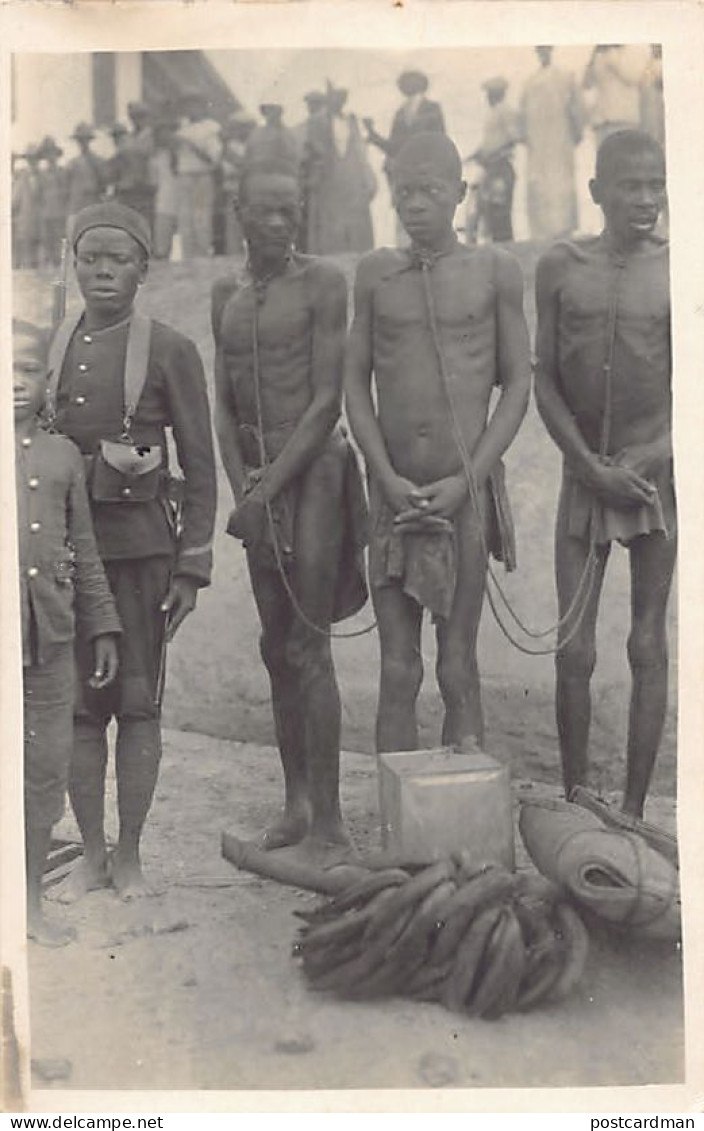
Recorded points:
136,539
63,591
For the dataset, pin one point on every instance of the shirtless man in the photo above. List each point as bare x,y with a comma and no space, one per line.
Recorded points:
603,390
287,463
427,542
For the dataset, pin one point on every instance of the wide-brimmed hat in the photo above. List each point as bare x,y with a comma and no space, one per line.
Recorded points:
314,97
49,147
118,129
83,132
495,85
412,82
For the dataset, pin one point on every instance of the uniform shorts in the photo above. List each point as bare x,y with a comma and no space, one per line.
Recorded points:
139,586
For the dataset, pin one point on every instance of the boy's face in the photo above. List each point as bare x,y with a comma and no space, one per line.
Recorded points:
28,376
632,195
426,200
269,213
110,265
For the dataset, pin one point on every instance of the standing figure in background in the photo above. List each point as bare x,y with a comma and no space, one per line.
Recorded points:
652,101
54,200
115,165
272,142
312,154
339,207
88,175
495,156
418,114
134,185
614,72
234,134
163,175
552,122
198,151
27,210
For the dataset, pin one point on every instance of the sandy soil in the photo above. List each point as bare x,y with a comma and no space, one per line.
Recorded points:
196,988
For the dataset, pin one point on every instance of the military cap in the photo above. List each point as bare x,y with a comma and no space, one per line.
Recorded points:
110,214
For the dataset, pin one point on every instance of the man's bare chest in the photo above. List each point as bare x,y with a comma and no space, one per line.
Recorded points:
280,318
458,297
638,292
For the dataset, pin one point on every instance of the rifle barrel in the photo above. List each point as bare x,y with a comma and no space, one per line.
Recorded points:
58,287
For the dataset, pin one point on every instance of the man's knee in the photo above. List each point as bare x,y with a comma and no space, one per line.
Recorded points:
647,648
308,656
401,676
576,659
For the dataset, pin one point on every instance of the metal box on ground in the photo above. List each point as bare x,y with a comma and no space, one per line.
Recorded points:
433,802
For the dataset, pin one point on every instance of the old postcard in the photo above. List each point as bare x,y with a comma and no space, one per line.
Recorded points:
323,317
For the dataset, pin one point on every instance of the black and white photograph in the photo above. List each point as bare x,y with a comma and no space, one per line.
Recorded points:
345,582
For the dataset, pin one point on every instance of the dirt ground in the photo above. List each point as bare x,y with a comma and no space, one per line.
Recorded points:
196,988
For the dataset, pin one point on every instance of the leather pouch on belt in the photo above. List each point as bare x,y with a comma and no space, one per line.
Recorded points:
125,473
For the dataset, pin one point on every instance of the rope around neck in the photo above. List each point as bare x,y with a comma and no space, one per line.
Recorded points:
259,287
580,601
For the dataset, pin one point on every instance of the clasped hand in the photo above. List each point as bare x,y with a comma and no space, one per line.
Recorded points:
620,480
247,521
426,507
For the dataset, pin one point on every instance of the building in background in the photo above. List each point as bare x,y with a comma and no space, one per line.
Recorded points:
51,92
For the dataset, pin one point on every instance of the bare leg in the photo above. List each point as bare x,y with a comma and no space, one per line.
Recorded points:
137,758
39,929
318,544
87,793
576,658
457,670
399,620
652,567
275,614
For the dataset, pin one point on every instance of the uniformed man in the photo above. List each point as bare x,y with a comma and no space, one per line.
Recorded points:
121,380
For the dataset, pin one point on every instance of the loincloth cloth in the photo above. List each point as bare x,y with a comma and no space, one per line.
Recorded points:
351,591
616,524
424,563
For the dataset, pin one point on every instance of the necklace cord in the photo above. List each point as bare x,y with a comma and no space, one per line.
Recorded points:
579,603
259,296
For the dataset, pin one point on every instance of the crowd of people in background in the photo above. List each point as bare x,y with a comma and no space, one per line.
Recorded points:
180,168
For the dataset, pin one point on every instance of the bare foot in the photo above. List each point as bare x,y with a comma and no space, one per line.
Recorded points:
85,876
128,878
45,933
326,851
291,828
